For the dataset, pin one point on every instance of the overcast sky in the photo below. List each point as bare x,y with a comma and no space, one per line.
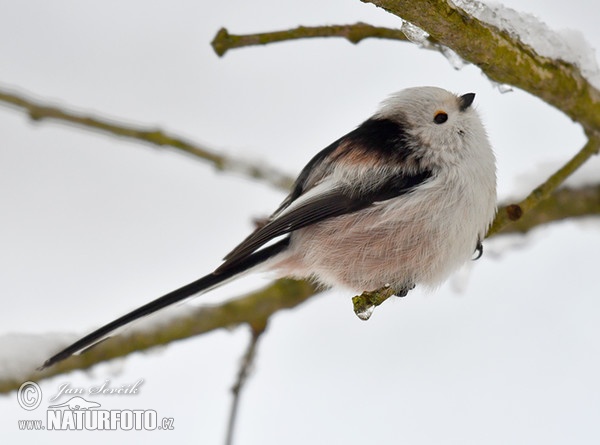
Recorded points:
92,227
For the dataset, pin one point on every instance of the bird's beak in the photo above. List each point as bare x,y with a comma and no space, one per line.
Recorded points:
465,101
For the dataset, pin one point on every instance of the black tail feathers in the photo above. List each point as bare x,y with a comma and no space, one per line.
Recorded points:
203,284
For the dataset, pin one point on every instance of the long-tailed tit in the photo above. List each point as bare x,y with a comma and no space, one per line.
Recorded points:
403,200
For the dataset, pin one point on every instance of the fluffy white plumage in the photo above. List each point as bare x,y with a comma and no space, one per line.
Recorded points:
419,237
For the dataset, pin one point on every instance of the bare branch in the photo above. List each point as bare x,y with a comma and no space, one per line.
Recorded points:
562,204
514,212
354,33
39,111
245,368
253,309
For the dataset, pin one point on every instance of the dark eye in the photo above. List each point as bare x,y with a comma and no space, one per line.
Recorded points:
440,117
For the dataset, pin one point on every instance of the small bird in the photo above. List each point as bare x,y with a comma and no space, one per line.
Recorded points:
405,199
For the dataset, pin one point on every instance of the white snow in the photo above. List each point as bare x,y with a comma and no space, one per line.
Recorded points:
455,60
586,175
21,354
567,45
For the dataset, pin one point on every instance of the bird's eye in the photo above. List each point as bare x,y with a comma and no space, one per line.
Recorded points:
440,117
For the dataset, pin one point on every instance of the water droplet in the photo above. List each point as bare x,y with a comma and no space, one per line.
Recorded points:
364,313
502,87
455,60
414,33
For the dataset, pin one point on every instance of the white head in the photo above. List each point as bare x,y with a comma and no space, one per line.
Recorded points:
444,125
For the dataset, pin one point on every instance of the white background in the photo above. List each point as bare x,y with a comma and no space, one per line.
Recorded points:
91,227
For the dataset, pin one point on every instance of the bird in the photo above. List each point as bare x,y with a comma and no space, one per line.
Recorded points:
404,199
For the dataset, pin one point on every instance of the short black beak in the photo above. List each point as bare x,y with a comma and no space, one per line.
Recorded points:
465,101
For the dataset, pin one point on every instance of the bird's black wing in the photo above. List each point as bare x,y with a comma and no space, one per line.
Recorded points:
375,143
316,206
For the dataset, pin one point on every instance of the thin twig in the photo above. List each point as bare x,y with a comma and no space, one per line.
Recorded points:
354,33
242,378
564,203
39,111
514,212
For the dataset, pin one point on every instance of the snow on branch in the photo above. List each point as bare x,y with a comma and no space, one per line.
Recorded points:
567,45
253,309
509,47
502,55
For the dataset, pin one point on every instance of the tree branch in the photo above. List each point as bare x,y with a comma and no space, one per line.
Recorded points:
355,33
245,368
503,58
515,212
253,309
557,82
562,204
39,111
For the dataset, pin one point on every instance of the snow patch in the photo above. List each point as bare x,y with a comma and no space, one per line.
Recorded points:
567,45
586,175
21,354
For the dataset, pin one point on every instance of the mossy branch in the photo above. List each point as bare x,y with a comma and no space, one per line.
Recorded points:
503,58
253,309
562,204
514,212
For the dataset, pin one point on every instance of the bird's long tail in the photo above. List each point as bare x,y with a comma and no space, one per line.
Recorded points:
201,285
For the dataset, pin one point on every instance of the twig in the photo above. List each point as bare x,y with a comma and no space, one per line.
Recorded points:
354,33
243,373
514,212
564,203
365,303
39,111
